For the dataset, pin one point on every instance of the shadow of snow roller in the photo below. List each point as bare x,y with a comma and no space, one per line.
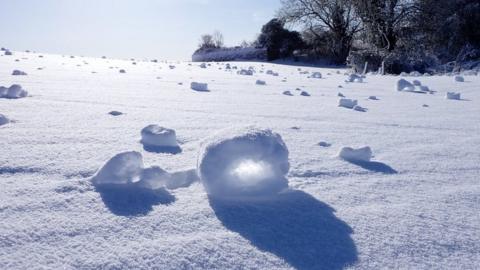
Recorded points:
244,163
244,173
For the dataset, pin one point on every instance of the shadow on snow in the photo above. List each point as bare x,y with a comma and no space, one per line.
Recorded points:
131,200
294,226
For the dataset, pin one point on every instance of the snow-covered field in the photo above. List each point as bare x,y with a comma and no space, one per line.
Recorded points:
415,205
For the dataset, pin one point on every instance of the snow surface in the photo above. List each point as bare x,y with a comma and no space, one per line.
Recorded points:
414,206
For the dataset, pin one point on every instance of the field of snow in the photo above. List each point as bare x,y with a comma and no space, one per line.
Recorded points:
414,204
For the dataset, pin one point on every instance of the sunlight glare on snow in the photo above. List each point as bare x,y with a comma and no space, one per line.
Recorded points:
251,172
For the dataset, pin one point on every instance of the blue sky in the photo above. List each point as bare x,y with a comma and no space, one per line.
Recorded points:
163,29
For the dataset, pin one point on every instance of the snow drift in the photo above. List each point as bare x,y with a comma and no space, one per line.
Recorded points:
244,162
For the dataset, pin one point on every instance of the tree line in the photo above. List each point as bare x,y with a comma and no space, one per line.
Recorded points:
401,34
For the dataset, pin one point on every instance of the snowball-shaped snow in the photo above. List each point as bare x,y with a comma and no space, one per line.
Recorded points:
417,82
287,93
3,91
17,72
246,72
347,103
127,169
197,86
459,79
360,154
404,85
244,163
354,78
123,168
260,82
4,120
453,95
316,75
15,91
157,136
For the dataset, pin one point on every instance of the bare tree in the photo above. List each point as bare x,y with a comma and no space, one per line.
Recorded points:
337,17
218,39
383,20
206,42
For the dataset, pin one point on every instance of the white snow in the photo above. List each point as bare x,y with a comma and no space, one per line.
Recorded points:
359,154
413,206
243,162
198,86
155,135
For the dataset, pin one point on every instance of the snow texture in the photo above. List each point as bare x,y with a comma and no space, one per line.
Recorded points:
244,162
413,206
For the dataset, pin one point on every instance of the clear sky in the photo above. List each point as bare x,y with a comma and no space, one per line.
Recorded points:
162,29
